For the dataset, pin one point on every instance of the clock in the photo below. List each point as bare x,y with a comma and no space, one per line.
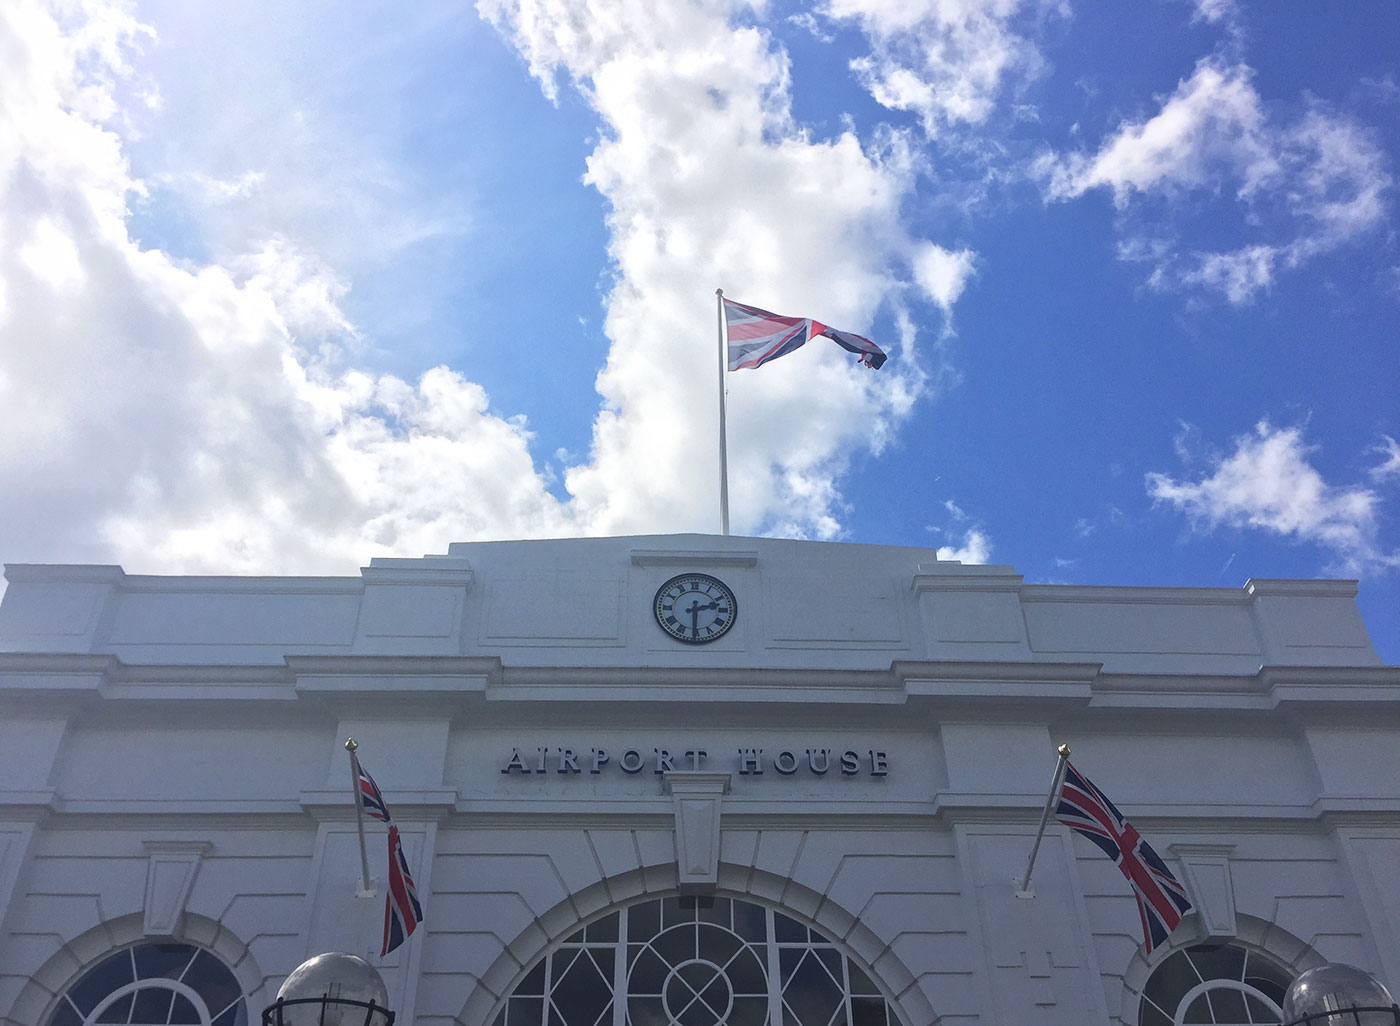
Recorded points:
695,608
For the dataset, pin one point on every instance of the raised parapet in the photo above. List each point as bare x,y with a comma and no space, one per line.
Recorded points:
413,605
1309,623
971,611
57,608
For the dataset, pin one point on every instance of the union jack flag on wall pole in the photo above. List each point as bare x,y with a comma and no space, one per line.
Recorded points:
402,911
1161,899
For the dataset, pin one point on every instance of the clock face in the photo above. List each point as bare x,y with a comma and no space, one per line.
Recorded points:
695,608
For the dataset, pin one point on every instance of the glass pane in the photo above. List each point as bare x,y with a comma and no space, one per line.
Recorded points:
162,960
644,921
787,929
1222,963
867,1011
811,993
118,1011
1199,1012
1170,981
183,1013
717,912
65,1015
525,1011
1269,979
152,1006
648,973
1150,1015
533,983
1228,1005
604,930
582,991
101,980
576,937
646,1011
672,913
237,1015
676,945
746,975
212,981
860,982
750,921
1259,1012
750,1011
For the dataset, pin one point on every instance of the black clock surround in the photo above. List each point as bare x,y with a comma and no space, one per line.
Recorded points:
695,608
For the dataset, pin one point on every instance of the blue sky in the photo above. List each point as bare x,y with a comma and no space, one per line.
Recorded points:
284,287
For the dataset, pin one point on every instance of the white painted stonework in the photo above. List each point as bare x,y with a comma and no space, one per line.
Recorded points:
866,751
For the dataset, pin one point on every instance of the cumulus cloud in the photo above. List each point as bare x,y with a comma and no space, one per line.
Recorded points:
184,417
1302,187
1267,483
942,274
945,61
709,179
205,411
975,547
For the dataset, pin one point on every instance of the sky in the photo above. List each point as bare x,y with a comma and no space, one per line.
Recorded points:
285,287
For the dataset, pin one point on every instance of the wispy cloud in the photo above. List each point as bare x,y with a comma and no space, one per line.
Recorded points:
1389,451
1304,187
1267,483
946,63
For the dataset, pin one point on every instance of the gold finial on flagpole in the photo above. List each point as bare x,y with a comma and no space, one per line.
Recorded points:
1063,750
351,744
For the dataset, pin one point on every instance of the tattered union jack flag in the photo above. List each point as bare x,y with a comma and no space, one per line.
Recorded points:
756,336
402,912
1161,899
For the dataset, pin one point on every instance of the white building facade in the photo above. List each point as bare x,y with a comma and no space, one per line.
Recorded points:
685,781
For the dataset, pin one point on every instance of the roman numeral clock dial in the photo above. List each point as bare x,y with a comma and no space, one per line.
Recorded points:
695,608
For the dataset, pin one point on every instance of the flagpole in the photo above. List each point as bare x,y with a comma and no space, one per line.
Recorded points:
350,746
723,448
1056,782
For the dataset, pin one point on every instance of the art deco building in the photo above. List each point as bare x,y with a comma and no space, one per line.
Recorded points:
686,781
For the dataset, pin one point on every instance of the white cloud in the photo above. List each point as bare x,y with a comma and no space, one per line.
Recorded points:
201,414
1213,11
941,273
710,181
1267,483
945,61
1211,126
975,547
1239,275
197,418
1390,465
1302,188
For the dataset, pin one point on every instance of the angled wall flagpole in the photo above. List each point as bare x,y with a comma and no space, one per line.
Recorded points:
1056,782
723,448
350,746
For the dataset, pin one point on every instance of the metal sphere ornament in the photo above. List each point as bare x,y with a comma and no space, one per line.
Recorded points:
334,989
1339,995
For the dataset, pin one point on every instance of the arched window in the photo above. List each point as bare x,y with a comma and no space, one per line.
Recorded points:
670,962
154,984
1219,985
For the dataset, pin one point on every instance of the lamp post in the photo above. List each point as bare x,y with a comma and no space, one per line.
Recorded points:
334,989
1339,995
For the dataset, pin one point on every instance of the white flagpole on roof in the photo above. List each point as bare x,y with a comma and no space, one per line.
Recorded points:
723,448
350,745
1056,782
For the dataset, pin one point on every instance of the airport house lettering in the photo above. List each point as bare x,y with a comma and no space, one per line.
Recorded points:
755,761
